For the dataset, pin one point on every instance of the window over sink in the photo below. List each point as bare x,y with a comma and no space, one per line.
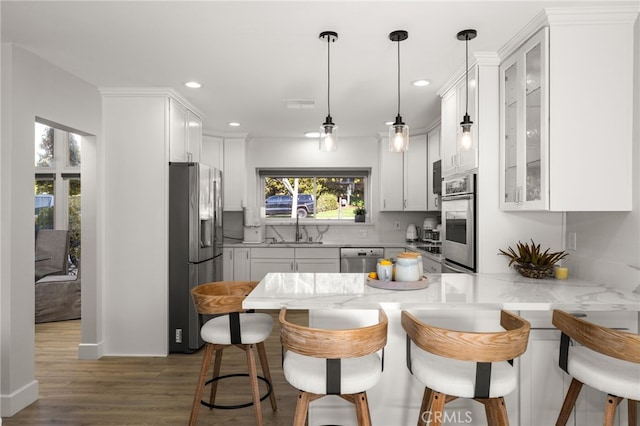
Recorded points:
314,194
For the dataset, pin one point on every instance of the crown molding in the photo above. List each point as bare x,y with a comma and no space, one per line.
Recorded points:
149,92
551,16
476,59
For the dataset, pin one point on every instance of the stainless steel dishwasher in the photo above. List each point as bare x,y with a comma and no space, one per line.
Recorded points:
360,260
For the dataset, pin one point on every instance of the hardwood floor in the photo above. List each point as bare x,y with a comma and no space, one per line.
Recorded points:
142,390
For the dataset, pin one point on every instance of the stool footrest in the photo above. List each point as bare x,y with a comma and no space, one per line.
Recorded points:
233,407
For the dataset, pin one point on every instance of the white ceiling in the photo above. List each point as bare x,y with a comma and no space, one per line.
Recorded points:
250,56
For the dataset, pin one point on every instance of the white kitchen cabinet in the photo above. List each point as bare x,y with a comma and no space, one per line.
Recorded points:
453,107
185,133
288,259
317,259
552,147
194,137
261,267
433,155
234,173
524,149
403,176
430,265
241,264
236,264
271,259
212,151
543,385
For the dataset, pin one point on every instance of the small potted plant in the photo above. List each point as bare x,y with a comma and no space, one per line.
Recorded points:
360,212
530,261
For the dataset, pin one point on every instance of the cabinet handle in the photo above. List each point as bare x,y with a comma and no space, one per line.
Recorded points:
292,269
405,204
435,201
247,255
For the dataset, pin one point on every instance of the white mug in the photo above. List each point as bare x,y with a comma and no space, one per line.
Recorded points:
384,272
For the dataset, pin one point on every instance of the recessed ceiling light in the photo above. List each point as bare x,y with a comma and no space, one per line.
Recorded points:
388,123
233,124
420,83
193,84
312,134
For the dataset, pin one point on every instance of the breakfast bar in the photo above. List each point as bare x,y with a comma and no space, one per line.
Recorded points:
470,302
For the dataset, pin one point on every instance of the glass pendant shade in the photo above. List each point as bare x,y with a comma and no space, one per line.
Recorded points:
328,136
465,134
398,136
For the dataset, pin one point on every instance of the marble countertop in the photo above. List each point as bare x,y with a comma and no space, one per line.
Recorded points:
445,291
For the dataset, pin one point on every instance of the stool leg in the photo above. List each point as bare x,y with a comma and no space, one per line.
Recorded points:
632,408
425,408
300,417
498,412
362,409
610,409
437,408
206,363
253,375
569,402
216,373
262,353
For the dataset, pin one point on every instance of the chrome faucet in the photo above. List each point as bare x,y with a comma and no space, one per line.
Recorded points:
298,233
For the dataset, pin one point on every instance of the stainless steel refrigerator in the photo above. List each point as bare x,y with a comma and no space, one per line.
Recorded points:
195,246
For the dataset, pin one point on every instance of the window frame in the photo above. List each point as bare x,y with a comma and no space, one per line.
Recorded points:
360,172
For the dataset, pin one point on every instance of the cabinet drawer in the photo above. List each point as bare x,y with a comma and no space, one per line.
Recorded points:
317,253
613,319
272,253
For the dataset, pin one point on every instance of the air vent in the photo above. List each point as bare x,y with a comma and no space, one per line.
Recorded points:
299,103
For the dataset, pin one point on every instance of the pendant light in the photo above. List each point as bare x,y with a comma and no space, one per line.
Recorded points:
465,136
328,130
398,131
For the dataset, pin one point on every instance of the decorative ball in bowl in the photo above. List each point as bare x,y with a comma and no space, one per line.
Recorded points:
530,261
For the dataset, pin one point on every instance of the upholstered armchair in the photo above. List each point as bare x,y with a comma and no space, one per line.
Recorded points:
52,251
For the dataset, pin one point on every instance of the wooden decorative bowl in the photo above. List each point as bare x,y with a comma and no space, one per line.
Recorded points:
534,272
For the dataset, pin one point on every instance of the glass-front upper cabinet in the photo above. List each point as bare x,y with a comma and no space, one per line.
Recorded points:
524,127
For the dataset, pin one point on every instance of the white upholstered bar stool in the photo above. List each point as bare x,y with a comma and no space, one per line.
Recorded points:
232,326
605,359
321,362
458,364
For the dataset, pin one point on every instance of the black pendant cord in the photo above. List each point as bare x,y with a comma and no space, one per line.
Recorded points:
466,43
398,77
329,76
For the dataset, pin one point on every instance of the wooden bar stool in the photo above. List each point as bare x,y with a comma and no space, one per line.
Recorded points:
232,326
458,364
605,359
322,362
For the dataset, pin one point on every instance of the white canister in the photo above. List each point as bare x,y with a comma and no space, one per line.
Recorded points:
408,267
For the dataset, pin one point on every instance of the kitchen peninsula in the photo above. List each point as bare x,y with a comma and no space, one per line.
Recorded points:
469,301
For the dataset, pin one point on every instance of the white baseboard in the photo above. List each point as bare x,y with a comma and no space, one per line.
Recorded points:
21,398
90,350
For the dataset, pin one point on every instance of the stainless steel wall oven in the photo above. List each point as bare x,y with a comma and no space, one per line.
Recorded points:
459,223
